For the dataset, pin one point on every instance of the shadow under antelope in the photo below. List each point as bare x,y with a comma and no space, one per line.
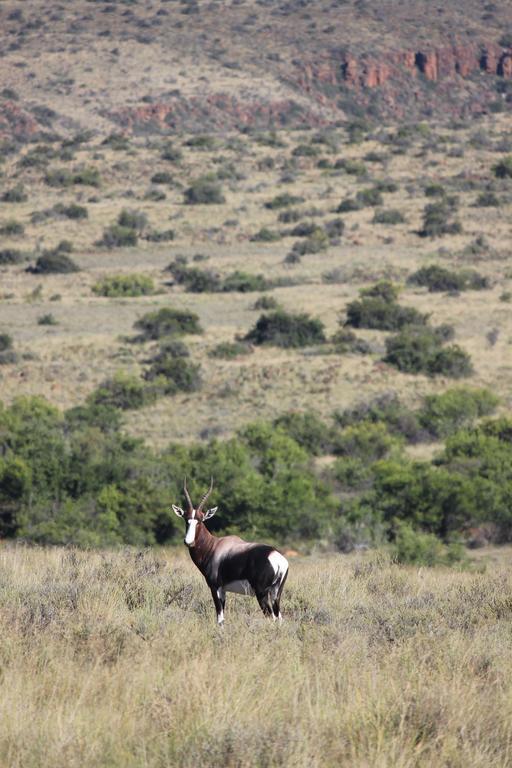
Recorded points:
230,564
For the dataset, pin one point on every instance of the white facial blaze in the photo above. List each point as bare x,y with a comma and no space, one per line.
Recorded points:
190,535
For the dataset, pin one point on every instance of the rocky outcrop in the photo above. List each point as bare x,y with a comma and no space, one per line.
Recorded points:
215,112
17,122
375,70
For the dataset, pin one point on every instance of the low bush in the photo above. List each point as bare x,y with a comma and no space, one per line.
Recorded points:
132,219
162,177
503,169
265,235
308,430
438,219
419,350
54,262
12,228
382,315
412,547
244,282
172,154
71,211
315,243
391,216
11,256
284,200
454,409
16,194
167,322
160,236
5,342
121,286
266,302
122,391
383,289
487,200
228,350
116,236
437,278
47,319
287,330
62,177
173,373
388,409
369,197
349,204
204,192
368,441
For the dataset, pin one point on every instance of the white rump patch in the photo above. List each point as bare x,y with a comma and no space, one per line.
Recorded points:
241,587
279,563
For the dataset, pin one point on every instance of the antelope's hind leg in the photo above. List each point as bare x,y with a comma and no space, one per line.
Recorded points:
276,601
264,599
219,598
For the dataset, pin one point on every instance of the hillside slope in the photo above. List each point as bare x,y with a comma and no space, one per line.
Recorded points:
193,65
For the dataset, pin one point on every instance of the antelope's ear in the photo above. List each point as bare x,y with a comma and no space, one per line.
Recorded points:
210,513
178,511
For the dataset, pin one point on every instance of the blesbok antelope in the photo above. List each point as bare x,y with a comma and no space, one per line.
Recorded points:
230,564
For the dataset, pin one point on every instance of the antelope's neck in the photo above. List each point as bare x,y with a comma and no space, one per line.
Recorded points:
203,548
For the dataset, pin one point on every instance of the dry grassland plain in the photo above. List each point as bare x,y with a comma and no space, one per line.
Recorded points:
114,659
90,342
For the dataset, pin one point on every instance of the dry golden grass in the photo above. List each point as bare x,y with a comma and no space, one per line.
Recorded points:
114,659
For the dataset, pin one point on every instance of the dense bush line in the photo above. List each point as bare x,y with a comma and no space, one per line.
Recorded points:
76,477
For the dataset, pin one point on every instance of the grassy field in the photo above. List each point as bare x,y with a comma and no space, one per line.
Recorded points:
89,341
114,659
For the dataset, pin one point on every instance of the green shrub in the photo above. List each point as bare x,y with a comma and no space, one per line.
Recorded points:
11,256
435,190
265,235
284,200
71,211
379,314
367,440
172,154
503,169
437,278
204,192
418,350
131,219
487,200
308,430
55,262
287,330
438,220
451,361
352,472
391,216
289,216
12,228
47,319
352,167
62,177
349,204
195,280
162,236
16,194
244,282
5,342
411,547
118,237
122,391
454,409
266,302
228,350
162,177
173,373
383,289
317,242
167,322
369,197
388,409
119,286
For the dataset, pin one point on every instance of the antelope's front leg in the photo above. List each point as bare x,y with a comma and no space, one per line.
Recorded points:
219,598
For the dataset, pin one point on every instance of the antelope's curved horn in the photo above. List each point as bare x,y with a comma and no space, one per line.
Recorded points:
200,507
187,495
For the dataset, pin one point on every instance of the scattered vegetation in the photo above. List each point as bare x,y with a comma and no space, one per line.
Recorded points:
121,286
282,329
